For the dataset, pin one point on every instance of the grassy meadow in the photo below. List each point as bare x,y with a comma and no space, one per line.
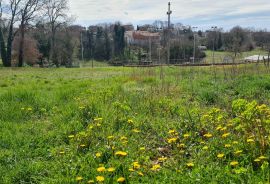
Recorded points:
135,125
220,55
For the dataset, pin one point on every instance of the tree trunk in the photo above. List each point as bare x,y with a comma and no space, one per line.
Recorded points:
21,46
3,49
52,45
9,45
53,53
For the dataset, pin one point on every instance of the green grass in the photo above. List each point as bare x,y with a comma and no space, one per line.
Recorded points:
219,55
94,63
41,108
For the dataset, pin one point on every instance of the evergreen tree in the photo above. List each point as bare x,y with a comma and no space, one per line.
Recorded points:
119,39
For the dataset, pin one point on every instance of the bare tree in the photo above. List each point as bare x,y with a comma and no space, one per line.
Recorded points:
235,40
56,13
28,12
2,40
6,49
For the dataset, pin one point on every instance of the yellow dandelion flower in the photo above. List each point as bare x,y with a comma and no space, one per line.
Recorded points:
71,136
121,153
98,154
100,178
227,146
172,140
221,155
91,181
225,135
136,165
142,148
79,178
238,152
181,145
136,130
101,169
110,137
262,157
130,121
162,159
190,164
172,131
140,174
111,169
131,170
208,135
98,119
235,142
223,129
186,135
121,180
205,148
219,128
82,145
234,163
250,141
155,167
123,138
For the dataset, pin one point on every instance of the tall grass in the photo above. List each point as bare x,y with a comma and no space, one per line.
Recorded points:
41,108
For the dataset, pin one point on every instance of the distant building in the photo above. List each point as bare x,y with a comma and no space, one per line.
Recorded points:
256,58
141,38
146,27
129,27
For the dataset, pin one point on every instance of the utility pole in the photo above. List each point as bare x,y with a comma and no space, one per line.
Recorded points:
169,15
169,32
194,50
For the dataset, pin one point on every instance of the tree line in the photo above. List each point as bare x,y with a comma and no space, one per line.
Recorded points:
22,22
41,32
103,42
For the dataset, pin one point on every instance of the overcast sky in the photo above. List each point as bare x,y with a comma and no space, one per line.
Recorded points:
200,13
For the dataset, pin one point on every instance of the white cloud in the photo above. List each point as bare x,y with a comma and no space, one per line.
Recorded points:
136,11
